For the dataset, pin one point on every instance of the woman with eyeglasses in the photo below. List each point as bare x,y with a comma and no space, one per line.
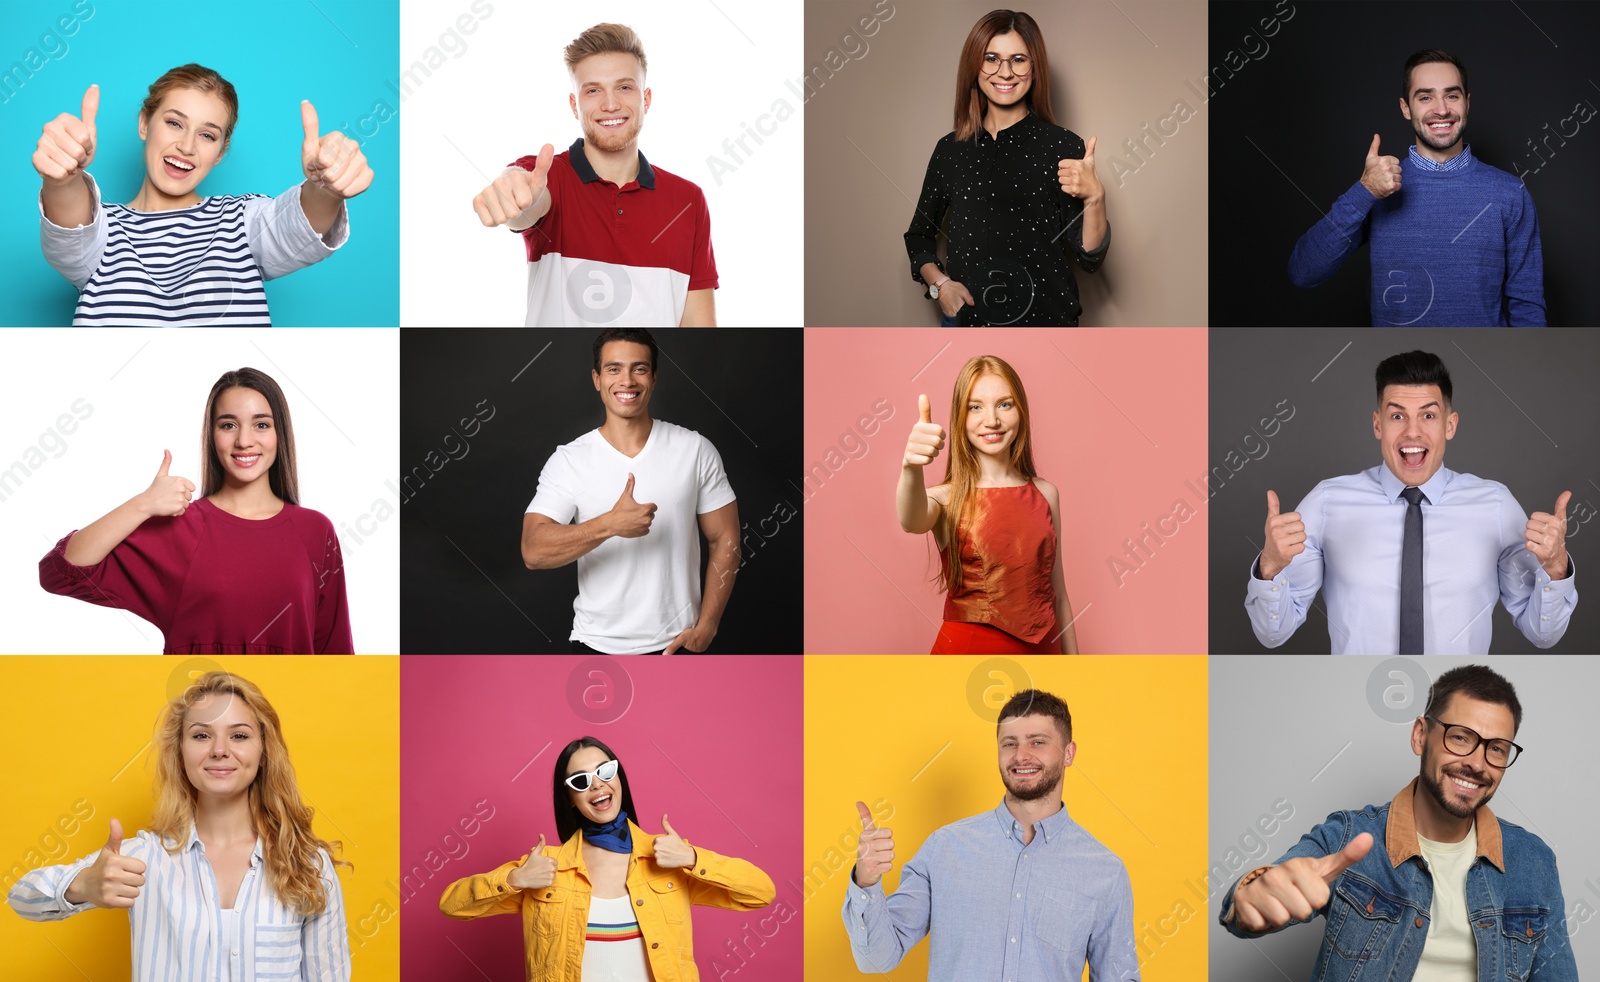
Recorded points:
611,902
1020,192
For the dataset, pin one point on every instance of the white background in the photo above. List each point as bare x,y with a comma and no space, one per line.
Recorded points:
148,391
713,67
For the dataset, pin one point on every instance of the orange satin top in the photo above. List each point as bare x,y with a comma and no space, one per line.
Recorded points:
1008,552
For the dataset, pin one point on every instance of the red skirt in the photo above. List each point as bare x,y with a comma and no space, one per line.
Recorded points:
965,638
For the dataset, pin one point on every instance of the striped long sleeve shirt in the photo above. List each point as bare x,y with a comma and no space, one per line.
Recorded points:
202,266
177,919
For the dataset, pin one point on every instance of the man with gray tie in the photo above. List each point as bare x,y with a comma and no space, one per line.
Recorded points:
1409,555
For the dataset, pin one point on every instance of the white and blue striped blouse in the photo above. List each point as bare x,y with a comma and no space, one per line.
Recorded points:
177,919
201,266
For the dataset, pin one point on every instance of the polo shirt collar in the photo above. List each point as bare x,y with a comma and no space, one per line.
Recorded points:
586,174
1433,489
1051,827
1400,835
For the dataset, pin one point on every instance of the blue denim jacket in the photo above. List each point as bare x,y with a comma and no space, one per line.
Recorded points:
1378,909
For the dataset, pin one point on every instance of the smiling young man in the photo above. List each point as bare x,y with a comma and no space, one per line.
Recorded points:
638,552
610,239
1021,892
1410,555
1455,242
1432,886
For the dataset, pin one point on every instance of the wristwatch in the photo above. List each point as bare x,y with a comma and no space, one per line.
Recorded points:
933,291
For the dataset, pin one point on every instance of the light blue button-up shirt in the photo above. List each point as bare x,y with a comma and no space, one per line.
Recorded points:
176,920
1474,552
999,910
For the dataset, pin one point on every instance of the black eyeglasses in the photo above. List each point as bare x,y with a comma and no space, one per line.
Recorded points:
1020,65
1463,740
584,780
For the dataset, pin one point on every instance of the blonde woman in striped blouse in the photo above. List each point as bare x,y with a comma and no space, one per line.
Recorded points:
170,257
229,882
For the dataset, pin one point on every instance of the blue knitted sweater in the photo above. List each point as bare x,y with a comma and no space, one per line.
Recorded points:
1449,249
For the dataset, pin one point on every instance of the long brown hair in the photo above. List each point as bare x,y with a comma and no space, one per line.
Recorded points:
284,478
961,470
971,104
290,849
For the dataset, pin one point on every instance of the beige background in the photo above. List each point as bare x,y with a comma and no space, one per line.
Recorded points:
1114,68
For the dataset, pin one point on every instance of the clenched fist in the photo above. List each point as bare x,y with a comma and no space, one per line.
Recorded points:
515,191
1382,174
332,162
66,148
1296,890
536,872
1286,538
927,437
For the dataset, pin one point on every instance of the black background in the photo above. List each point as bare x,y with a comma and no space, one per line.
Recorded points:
464,588
1330,78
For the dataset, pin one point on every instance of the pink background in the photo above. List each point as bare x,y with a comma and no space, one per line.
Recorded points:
714,742
1119,426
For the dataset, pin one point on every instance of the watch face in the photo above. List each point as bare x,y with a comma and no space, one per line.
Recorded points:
933,292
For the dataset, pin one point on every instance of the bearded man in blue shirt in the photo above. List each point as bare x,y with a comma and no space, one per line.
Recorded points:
1409,555
1019,893
1431,887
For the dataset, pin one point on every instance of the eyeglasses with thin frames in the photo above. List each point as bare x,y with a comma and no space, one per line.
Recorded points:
584,780
1020,64
1463,740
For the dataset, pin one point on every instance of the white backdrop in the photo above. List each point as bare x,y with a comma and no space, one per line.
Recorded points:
492,87
127,395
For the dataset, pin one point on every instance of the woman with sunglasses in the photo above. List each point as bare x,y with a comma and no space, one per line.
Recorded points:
611,902
1021,192
170,257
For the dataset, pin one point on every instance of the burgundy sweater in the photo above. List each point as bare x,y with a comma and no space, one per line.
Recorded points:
217,584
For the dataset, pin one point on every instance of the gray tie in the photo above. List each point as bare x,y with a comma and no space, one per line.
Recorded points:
1411,576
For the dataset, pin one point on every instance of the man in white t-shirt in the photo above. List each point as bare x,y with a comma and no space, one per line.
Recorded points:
629,502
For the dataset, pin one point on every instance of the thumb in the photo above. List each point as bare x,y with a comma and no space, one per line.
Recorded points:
542,166
1373,150
1272,504
1345,858
308,118
1561,506
867,824
91,104
1088,149
627,489
114,842
924,410
667,826
539,849
166,463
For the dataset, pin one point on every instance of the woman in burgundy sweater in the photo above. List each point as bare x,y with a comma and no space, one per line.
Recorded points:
242,570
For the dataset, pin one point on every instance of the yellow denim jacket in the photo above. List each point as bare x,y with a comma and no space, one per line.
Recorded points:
555,919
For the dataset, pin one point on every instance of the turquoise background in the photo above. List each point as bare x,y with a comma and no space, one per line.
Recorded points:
340,54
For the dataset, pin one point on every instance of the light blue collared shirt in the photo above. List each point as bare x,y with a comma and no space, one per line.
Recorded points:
176,920
999,910
1474,552
1457,162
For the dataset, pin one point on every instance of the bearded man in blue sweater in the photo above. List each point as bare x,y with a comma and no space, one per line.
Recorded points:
1455,242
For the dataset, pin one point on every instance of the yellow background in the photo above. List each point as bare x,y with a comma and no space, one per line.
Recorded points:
77,730
1138,784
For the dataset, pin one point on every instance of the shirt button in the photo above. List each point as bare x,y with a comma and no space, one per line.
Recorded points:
702,872
638,903
619,211
1274,589
1274,616
1019,896
655,944
1419,922
548,896
1013,940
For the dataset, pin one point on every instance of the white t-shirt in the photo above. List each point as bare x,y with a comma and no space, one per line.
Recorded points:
613,947
636,595
1451,952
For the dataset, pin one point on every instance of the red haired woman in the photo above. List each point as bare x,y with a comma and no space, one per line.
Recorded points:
1020,191
996,522
170,257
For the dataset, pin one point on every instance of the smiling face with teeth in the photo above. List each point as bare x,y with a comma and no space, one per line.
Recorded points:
601,803
1437,108
183,139
1033,756
625,379
1458,786
1413,423
244,435
609,100
1004,88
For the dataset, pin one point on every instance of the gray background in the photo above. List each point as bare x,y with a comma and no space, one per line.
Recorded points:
1528,404
1350,751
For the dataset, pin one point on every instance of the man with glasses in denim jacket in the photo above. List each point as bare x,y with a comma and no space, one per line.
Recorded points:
1450,892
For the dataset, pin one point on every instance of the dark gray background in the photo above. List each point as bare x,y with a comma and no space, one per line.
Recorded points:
1528,403
1354,750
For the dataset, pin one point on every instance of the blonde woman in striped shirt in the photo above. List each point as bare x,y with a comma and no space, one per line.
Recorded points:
170,257
229,882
